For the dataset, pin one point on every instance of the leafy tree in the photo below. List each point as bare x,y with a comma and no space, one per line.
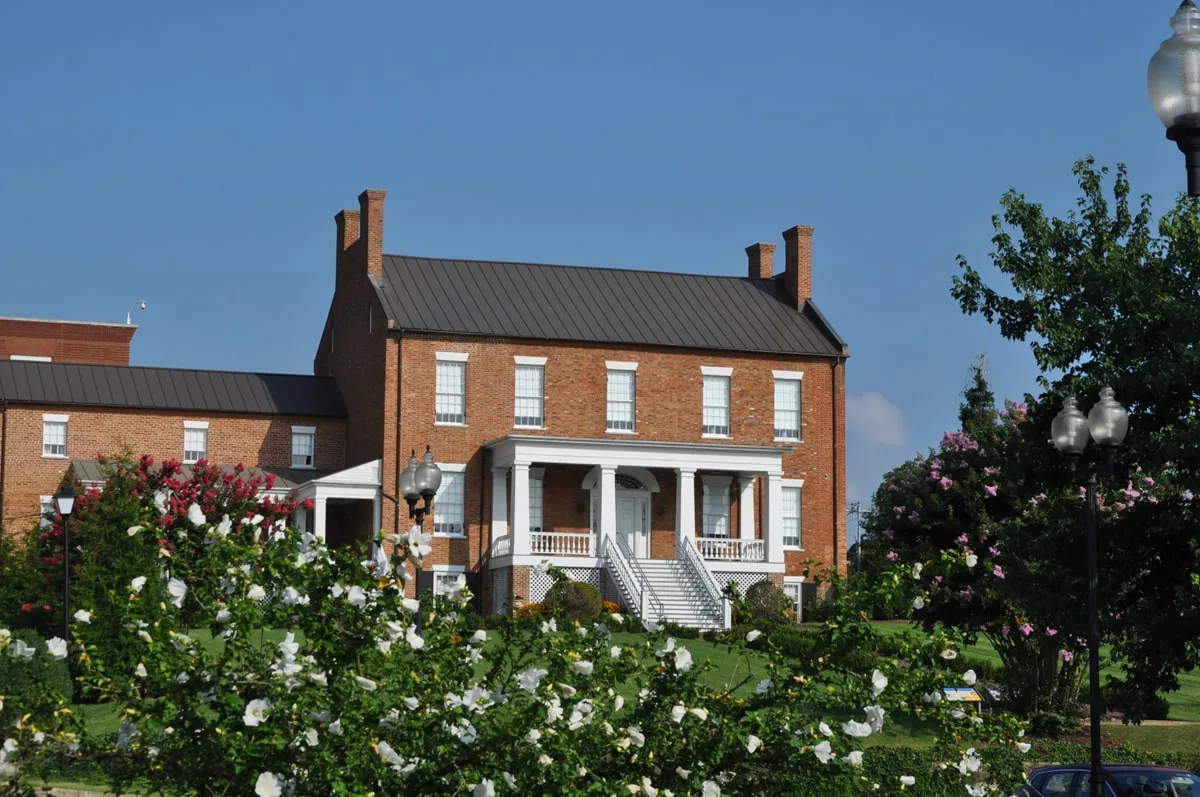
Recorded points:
1104,296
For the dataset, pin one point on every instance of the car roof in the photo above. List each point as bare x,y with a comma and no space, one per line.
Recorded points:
1107,768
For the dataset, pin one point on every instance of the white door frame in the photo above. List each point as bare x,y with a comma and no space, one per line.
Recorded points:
644,495
640,546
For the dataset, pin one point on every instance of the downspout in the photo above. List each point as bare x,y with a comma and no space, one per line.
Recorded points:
399,417
3,458
833,367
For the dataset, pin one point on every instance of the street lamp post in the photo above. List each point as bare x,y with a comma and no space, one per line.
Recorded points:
420,482
1106,425
64,502
1173,80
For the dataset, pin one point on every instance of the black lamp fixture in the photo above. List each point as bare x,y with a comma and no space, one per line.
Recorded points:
1106,425
64,502
1174,84
420,482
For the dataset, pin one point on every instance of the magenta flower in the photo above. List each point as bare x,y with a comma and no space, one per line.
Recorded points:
990,490
998,571
994,551
888,534
1066,655
961,540
946,482
1148,481
1003,630
1051,632
898,510
892,556
1026,629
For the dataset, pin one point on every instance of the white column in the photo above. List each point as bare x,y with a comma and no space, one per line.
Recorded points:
773,533
685,504
520,508
746,505
608,502
499,503
377,515
319,518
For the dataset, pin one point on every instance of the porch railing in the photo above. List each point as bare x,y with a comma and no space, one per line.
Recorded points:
718,606
502,546
561,543
632,580
732,550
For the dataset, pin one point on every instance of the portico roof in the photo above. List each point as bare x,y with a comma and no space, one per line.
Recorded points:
528,449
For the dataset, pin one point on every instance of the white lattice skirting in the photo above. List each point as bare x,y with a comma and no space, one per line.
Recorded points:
501,589
539,584
743,580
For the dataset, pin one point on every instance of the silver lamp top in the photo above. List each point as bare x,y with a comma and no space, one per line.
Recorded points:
428,476
1108,421
1069,429
1173,78
407,482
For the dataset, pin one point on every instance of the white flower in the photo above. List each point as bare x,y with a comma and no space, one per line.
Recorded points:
257,711
141,671
823,751
509,780
268,783
57,647
677,712
357,597
753,635
949,654
710,789
479,636
918,603
410,605
581,715
683,659
753,743
875,717
974,790
856,729
411,703
970,762
825,729
178,591
133,530
20,650
292,597
145,636
196,515
879,682
126,734
224,527
531,678
542,568
907,780
549,626
414,639
636,737
1023,747
932,698
854,758
7,749
486,788
583,667
160,502
137,584
256,593
764,686
533,736
969,677
335,727
83,616
958,714
224,615
971,560
916,570
615,651
545,760
311,738
618,703
384,645
418,543
365,683
699,713
652,626
319,678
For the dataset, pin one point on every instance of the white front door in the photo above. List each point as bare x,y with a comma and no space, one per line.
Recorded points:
633,523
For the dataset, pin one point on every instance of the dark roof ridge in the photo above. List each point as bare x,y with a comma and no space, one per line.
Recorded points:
170,368
590,268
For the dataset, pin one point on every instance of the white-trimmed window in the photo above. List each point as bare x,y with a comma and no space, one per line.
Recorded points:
716,401
622,392
31,358
54,436
537,499
304,446
791,506
793,587
451,386
195,441
787,404
47,516
715,509
448,505
530,393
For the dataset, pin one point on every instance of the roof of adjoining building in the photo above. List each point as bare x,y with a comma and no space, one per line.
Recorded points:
600,305
133,387
94,472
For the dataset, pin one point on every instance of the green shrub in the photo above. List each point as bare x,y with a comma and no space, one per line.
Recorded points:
795,642
682,631
578,601
23,592
20,680
766,604
1053,725
820,610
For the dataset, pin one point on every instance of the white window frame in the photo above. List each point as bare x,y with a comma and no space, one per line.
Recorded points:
794,484
311,433
798,583
616,366
31,358
537,499
798,378
194,426
65,421
529,363
46,502
716,372
461,472
451,357
716,486
441,571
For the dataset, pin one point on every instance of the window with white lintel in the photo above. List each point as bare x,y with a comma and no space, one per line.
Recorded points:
195,441
304,446
528,403
788,391
54,436
450,386
792,505
716,401
622,392
449,509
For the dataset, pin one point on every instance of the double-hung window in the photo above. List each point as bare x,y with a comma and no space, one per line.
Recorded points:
450,404
787,404
794,589
622,389
537,502
304,446
530,393
716,505
195,441
716,400
791,514
448,509
54,436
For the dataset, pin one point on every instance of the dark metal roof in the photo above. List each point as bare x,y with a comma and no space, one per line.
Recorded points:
169,389
600,305
95,472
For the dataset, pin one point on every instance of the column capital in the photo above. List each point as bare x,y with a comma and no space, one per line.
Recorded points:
686,471
608,468
747,477
500,469
524,466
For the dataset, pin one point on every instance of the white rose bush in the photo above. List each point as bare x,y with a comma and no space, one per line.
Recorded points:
359,689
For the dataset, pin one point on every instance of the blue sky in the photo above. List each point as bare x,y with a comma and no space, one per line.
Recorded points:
194,157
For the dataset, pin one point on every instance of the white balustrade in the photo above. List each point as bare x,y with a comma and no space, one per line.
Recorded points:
502,546
561,543
725,549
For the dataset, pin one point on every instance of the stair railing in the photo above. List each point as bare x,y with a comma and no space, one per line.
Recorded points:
629,572
718,605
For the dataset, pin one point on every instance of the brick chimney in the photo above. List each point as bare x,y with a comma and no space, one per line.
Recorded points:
347,230
797,273
370,204
762,261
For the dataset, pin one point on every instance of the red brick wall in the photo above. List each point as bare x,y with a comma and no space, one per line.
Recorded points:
71,342
669,387
92,432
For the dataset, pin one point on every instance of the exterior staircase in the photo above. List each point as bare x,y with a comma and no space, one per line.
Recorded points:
679,590
682,596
